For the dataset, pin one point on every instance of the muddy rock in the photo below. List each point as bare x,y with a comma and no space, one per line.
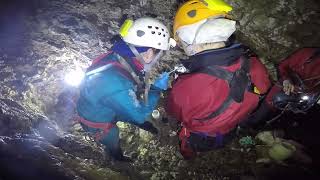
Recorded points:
14,118
24,157
42,41
274,28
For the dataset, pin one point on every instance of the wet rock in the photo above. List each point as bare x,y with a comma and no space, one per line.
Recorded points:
14,118
145,136
274,29
31,158
43,43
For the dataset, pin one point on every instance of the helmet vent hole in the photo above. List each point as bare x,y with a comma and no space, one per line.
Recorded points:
162,29
205,3
159,33
153,32
164,35
149,27
159,44
192,13
157,27
194,3
140,33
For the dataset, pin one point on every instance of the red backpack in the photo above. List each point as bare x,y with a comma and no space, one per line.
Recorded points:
213,99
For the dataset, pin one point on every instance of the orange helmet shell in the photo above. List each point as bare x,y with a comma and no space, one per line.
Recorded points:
196,10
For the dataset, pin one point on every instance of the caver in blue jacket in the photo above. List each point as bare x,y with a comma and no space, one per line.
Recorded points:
110,95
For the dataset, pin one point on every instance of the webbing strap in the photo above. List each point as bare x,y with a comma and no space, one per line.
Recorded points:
104,127
218,72
238,82
226,103
99,69
245,63
314,55
136,53
127,67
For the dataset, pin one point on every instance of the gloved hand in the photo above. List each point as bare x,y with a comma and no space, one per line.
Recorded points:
288,87
162,81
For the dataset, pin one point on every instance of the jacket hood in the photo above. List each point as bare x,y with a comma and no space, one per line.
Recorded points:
120,47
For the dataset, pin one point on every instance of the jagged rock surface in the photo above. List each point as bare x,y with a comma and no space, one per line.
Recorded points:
275,28
42,40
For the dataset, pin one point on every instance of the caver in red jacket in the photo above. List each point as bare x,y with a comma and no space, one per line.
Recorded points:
212,101
305,63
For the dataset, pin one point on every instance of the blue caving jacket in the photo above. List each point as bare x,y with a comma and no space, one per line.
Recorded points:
110,96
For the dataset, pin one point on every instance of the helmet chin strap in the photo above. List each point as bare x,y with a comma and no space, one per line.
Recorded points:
136,53
147,67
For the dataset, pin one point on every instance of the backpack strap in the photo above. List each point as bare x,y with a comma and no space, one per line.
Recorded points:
218,72
224,106
238,82
314,56
100,66
128,68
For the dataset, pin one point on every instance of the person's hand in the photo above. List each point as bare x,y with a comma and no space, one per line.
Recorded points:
288,87
162,81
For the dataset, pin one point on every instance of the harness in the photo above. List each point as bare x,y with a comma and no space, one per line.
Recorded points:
314,56
103,128
239,82
99,66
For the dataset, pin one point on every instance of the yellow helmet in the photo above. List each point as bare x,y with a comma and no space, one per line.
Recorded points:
196,10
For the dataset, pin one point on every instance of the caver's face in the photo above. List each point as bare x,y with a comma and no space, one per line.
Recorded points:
149,55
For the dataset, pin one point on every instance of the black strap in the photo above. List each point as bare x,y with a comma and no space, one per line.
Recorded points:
241,81
218,72
314,55
238,82
226,103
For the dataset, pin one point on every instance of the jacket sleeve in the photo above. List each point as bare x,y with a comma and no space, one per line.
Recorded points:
129,108
294,62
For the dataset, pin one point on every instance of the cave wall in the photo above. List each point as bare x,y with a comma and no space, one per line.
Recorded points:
46,39
276,28
42,40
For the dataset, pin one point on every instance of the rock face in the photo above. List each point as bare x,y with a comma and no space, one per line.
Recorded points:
43,40
50,38
33,158
30,142
275,28
47,39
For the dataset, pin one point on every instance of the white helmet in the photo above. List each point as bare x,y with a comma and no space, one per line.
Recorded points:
148,32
